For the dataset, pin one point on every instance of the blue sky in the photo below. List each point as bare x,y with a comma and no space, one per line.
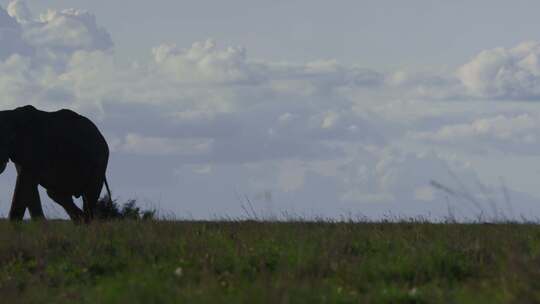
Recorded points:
315,108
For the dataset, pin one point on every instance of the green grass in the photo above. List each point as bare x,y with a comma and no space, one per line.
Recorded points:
250,262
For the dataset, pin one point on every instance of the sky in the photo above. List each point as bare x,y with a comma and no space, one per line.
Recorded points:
298,108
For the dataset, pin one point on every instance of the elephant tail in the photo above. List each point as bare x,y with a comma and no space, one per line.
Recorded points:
108,189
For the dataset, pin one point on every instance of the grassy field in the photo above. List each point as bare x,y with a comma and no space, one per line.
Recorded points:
250,262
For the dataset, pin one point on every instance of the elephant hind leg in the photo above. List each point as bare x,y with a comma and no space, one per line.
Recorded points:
26,195
34,205
66,201
90,198
16,213
89,205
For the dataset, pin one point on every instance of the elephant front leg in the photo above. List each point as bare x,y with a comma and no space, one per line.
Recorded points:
26,195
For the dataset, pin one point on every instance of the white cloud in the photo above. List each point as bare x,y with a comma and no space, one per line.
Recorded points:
66,31
504,73
16,82
53,34
50,37
431,84
203,62
10,37
499,73
507,133
329,120
18,10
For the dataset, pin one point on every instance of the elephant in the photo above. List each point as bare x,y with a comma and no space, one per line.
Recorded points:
62,151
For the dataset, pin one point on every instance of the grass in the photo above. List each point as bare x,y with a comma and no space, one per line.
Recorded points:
265,262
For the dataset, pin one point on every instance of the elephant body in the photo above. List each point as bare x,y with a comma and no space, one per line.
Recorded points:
62,151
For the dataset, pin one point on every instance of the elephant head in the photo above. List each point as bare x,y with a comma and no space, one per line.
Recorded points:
4,148
7,135
11,122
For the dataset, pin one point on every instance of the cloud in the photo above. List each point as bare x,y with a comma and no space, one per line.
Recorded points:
66,31
504,132
15,82
431,84
502,73
54,33
203,62
493,74
18,10
11,37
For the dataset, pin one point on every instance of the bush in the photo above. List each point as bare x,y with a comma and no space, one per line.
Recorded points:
108,209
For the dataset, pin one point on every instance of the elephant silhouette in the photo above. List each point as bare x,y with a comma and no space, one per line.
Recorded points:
62,151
